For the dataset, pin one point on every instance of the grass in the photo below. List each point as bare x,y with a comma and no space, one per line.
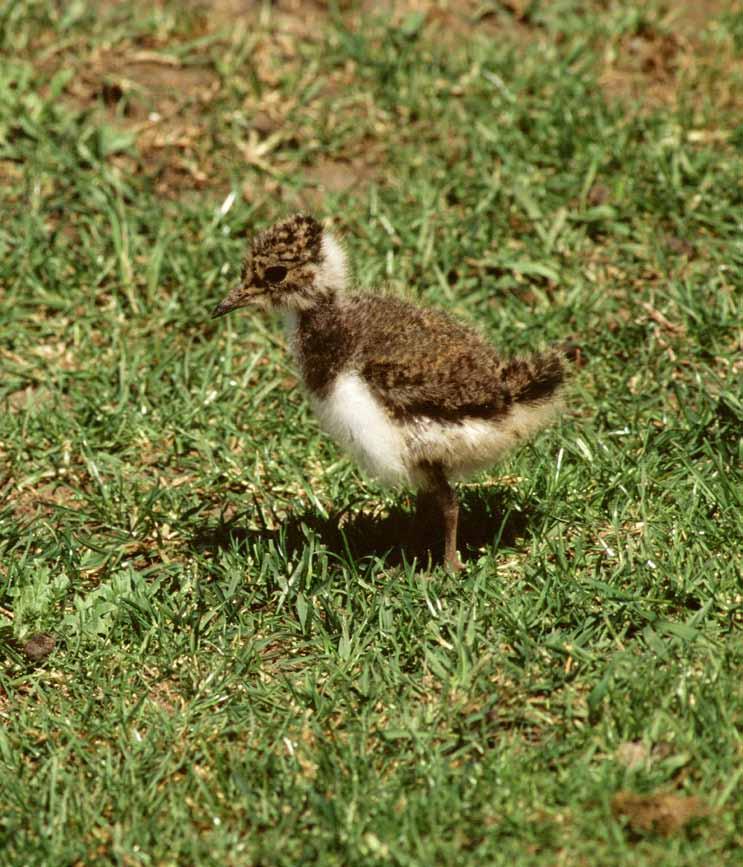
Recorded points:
251,665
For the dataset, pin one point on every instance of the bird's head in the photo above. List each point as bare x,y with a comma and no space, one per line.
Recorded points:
290,266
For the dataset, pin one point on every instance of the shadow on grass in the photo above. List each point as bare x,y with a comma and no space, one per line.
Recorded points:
487,516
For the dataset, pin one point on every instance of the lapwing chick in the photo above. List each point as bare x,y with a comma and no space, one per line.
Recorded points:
416,397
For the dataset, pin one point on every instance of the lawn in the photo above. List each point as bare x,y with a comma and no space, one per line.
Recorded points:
253,663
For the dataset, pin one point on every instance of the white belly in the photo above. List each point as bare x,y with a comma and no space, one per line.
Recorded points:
473,444
359,423
391,452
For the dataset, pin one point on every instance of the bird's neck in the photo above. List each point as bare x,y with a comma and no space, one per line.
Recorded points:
317,312
319,340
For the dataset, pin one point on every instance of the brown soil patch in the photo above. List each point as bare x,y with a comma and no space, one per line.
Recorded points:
28,503
292,17
147,82
161,102
672,55
334,177
645,67
27,397
452,24
691,18
10,172
636,754
166,696
665,814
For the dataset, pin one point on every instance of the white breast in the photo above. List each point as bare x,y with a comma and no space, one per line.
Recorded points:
391,452
354,417
358,422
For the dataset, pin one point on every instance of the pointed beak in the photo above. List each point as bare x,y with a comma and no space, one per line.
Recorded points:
234,299
222,308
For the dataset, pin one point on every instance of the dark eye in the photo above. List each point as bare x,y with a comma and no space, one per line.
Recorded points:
275,274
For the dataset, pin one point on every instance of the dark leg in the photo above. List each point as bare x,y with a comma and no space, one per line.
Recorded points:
426,522
424,510
441,492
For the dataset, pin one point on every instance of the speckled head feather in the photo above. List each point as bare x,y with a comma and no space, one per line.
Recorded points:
288,267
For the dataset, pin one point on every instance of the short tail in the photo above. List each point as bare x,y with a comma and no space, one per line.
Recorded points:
539,378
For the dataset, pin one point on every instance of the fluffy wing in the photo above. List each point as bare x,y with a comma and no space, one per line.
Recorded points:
423,362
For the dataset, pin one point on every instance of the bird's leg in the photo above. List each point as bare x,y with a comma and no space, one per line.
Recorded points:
446,499
423,508
450,512
425,520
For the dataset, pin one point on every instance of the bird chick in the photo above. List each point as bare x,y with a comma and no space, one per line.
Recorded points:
415,396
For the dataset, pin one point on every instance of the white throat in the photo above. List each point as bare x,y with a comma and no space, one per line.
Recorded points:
333,272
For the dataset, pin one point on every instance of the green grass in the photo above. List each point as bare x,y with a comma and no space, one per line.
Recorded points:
251,666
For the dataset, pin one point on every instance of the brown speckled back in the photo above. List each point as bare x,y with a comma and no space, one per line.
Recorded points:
417,360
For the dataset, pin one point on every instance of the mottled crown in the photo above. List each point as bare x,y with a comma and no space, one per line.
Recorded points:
292,241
